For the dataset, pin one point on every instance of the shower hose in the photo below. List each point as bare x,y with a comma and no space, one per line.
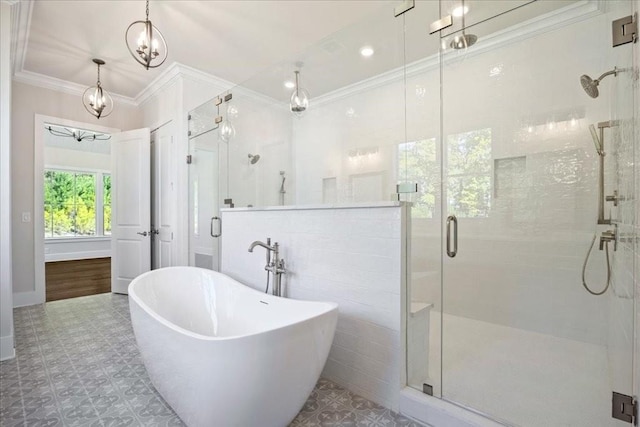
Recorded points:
584,267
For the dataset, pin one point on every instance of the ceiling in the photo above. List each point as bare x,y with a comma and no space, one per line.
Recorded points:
256,42
231,40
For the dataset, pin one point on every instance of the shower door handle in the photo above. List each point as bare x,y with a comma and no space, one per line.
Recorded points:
219,233
451,219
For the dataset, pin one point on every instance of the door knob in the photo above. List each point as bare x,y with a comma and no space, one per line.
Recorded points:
143,233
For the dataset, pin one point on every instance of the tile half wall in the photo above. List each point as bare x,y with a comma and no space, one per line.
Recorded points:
348,255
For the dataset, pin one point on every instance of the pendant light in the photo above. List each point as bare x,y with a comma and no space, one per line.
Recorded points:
463,41
96,100
150,47
299,98
77,134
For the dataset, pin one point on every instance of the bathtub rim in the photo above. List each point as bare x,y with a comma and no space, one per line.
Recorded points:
132,295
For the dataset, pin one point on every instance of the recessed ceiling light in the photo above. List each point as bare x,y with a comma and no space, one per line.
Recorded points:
366,51
459,11
289,84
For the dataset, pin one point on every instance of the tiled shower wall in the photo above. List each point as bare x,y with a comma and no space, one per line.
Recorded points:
351,256
519,264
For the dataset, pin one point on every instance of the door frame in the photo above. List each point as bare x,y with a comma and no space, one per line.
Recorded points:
38,296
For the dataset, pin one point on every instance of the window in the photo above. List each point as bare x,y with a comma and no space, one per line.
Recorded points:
106,203
469,173
72,202
417,164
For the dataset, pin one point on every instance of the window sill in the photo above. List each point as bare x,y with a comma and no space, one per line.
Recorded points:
76,239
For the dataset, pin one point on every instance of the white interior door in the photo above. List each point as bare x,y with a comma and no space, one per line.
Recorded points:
163,197
130,205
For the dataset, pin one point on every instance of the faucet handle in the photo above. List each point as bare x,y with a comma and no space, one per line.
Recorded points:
268,253
280,267
608,236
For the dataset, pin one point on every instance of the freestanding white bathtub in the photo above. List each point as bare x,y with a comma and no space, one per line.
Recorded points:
224,355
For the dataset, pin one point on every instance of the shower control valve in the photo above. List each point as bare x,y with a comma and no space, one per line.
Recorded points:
615,198
608,236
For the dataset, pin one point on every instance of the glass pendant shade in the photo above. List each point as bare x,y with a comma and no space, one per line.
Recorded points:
227,131
299,99
96,100
146,43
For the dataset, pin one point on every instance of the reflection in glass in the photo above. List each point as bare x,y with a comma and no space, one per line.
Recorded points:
468,166
299,98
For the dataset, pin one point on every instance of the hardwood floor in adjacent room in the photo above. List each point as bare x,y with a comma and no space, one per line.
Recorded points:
70,279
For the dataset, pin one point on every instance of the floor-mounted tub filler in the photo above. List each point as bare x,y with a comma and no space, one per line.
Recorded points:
223,354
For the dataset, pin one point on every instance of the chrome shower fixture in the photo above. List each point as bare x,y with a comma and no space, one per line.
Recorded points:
463,41
253,158
590,86
596,140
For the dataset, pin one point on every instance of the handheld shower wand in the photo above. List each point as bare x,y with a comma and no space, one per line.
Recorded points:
282,190
610,235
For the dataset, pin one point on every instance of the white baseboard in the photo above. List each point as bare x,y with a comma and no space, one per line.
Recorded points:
7,351
23,299
73,256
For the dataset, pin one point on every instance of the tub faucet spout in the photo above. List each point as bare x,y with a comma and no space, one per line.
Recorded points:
274,265
267,246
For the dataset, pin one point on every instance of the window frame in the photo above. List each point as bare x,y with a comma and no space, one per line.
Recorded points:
98,175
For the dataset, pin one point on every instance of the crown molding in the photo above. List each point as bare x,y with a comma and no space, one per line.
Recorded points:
21,12
539,25
53,83
174,71
21,19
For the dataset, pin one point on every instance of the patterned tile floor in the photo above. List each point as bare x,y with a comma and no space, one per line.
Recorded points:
77,364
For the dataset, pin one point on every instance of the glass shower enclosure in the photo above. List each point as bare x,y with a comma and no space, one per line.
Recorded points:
513,334
483,128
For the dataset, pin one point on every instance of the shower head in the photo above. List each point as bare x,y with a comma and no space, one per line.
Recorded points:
463,41
253,158
590,86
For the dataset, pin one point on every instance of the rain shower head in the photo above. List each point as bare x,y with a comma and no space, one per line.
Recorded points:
590,86
463,41
253,158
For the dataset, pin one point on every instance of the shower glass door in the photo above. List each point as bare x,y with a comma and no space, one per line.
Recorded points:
523,342
204,187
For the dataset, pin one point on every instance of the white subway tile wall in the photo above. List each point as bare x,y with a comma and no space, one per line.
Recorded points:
349,256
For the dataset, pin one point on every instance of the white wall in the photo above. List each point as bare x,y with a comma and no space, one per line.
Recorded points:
6,289
55,157
521,265
74,249
263,127
173,95
349,256
27,101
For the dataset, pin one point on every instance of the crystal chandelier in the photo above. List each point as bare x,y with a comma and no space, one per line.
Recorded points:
96,100
150,46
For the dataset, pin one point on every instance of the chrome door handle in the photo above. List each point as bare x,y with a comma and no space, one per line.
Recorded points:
452,219
143,233
219,233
